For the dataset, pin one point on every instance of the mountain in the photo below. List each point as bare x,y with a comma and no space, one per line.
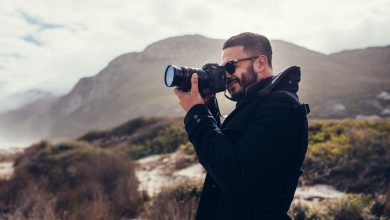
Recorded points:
345,84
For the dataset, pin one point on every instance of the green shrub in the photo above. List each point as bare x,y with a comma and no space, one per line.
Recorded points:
187,149
167,140
141,137
352,207
351,155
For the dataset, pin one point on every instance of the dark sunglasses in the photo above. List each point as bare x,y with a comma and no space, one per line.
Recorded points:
230,67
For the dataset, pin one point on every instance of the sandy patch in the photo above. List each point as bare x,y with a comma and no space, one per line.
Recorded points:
155,172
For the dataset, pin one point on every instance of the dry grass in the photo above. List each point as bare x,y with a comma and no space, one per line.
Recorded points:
33,204
71,180
178,201
352,206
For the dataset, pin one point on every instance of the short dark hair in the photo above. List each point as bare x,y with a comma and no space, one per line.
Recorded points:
254,44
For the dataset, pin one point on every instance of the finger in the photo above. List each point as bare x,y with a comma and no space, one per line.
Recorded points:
194,83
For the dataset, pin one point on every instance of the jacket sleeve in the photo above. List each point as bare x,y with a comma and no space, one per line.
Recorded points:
248,160
213,107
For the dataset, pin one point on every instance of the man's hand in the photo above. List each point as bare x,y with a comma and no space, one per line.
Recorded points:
191,98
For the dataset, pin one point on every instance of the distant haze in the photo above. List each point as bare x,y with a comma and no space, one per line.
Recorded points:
50,45
6,145
21,98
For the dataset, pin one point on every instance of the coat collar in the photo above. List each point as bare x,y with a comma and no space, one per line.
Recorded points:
285,80
288,80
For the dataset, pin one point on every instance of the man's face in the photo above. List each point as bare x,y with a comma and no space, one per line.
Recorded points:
244,75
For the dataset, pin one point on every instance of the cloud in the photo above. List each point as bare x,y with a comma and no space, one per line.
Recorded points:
2,84
39,23
31,39
50,44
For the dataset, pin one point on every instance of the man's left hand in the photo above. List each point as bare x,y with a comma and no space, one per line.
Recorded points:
191,98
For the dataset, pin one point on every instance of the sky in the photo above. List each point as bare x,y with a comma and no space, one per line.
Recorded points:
50,44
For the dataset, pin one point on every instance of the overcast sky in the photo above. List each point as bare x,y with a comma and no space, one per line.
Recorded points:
50,44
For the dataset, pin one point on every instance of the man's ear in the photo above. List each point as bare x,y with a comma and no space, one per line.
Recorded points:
260,64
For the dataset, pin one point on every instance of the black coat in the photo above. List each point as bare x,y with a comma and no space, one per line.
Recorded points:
254,160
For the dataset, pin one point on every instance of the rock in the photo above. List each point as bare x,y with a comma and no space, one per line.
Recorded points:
156,171
367,117
194,171
318,192
386,111
335,108
373,103
383,95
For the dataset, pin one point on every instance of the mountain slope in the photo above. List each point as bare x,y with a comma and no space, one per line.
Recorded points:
132,86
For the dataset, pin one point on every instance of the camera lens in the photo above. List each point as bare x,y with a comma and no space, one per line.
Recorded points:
178,76
181,77
211,78
169,75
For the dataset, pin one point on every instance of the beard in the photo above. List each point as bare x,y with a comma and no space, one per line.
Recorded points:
246,80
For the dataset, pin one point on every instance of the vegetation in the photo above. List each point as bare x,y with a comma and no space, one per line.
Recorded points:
176,201
94,178
141,137
167,140
353,206
185,156
72,180
352,155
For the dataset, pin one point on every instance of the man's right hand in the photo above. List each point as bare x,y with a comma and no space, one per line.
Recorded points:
191,98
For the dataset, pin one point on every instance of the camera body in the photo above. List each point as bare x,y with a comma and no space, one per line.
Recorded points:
211,78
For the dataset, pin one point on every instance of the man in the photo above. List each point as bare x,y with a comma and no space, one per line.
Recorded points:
253,161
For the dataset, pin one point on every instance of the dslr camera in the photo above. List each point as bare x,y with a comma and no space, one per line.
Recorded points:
211,78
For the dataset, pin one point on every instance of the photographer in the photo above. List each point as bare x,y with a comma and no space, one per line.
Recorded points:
253,161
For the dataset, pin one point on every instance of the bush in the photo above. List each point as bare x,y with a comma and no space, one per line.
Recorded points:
82,181
141,137
351,155
167,140
176,201
183,161
33,204
187,149
300,211
352,207
381,206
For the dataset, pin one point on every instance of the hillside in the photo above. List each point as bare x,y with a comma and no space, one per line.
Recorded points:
341,85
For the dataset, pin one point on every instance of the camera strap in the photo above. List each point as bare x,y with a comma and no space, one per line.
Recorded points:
230,98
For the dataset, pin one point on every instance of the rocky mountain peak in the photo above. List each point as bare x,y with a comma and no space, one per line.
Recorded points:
177,47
